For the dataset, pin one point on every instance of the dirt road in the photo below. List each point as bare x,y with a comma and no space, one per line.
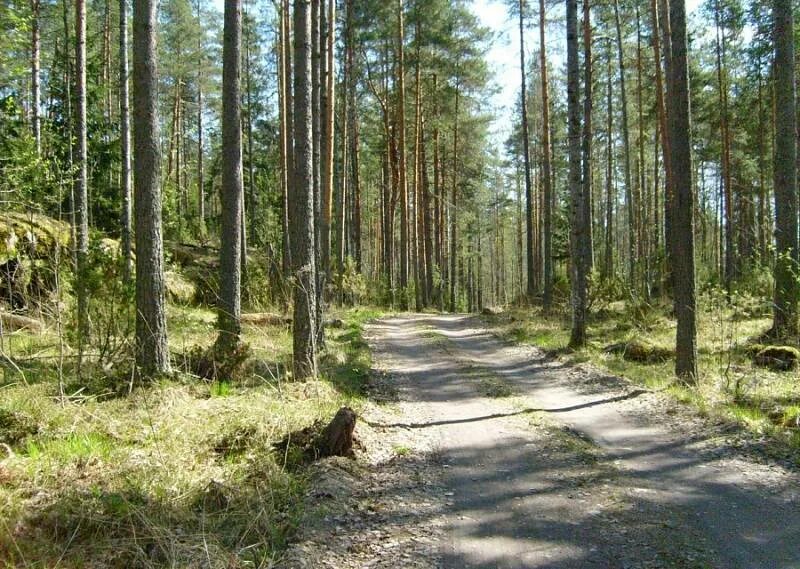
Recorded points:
547,465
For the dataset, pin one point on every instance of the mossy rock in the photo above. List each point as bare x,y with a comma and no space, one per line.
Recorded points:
778,358
35,235
639,352
751,350
15,427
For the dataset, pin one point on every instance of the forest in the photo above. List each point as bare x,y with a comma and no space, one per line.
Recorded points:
277,277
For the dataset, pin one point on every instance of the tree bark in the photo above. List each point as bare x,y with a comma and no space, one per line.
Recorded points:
629,197
301,217
229,307
586,144
727,190
329,103
81,182
784,321
679,114
317,48
454,208
578,236
608,266
530,272
125,142
547,179
152,351
662,114
401,151
288,129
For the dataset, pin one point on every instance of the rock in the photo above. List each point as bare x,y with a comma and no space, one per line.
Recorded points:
778,358
266,319
336,323
15,427
492,311
34,235
640,352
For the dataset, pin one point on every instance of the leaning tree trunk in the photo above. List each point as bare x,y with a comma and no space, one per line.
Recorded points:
786,288
301,214
679,114
230,252
152,352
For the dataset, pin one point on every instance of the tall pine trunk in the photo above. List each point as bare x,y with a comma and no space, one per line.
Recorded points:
288,131
679,114
152,351
530,288
328,30
301,218
401,152
608,261
36,92
454,209
125,141
578,201
547,178
81,182
586,143
229,302
784,321
626,143
727,190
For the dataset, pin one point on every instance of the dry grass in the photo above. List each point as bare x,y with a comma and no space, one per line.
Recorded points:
730,386
181,473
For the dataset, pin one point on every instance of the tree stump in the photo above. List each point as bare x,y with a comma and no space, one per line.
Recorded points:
337,438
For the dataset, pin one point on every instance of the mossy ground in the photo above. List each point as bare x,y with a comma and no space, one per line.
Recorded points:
178,473
730,386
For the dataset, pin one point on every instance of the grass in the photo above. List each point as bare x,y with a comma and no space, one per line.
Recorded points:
176,473
730,387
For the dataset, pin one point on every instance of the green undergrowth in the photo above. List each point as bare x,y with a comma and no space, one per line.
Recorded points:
178,473
730,387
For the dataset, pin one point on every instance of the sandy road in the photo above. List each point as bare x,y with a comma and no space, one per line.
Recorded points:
546,465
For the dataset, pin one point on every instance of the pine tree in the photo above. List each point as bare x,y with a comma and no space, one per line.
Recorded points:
301,215
784,320
231,195
679,113
152,351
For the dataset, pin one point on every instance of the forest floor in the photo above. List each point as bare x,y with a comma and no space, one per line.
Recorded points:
180,472
494,455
